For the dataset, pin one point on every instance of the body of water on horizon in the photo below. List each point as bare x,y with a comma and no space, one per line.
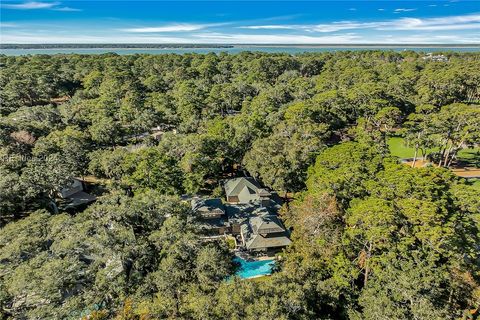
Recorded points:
236,49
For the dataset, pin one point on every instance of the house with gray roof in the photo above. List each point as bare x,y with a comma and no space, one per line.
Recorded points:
208,208
245,190
239,213
250,215
264,233
74,195
211,212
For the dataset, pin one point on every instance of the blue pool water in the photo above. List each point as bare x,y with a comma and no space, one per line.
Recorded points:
250,269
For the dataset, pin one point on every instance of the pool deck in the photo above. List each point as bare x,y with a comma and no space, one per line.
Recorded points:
263,258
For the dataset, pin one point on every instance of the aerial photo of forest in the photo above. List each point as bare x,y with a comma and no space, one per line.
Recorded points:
373,156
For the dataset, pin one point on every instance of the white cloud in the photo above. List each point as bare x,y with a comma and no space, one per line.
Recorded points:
343,25
181,27
404,10
429,39
347,38
401,30
273,39
235,38
467,22
85,38
273,27
435,24
67,9
7,25
381,9
30,5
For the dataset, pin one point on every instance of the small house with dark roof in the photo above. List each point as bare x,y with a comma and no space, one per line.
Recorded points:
74,194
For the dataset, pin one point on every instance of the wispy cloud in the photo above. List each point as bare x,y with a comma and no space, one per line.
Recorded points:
239,38
7,25
85,38
465,22
343,25
273,39
403,10
323,28
180,27
429,39
272,27
36,5
30,5
66,9
384,28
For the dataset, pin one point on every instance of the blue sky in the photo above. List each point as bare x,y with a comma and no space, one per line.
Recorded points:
272,22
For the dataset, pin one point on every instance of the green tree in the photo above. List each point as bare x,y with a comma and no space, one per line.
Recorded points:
150,168
46,177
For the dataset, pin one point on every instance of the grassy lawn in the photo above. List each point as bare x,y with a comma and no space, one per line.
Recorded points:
476,184
399,149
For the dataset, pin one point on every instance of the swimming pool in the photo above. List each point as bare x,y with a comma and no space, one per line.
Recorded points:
250,269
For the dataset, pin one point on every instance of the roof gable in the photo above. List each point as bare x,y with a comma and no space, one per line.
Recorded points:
208,205
233,187
259,242
266,224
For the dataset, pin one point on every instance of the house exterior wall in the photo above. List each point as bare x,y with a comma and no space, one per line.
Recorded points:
233,199
245,196
211,214
236,229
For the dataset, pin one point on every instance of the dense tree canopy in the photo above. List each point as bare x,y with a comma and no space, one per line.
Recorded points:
372,238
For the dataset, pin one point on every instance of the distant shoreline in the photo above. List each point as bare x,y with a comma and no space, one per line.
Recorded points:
221,46
419,45
112,46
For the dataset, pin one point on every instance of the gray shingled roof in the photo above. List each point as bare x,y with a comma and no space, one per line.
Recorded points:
207,204
240,212
266,224
246,189
258,241
211,223
264,231
234,186
263,192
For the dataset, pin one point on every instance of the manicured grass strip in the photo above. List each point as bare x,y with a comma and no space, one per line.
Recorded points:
399,148
476,184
